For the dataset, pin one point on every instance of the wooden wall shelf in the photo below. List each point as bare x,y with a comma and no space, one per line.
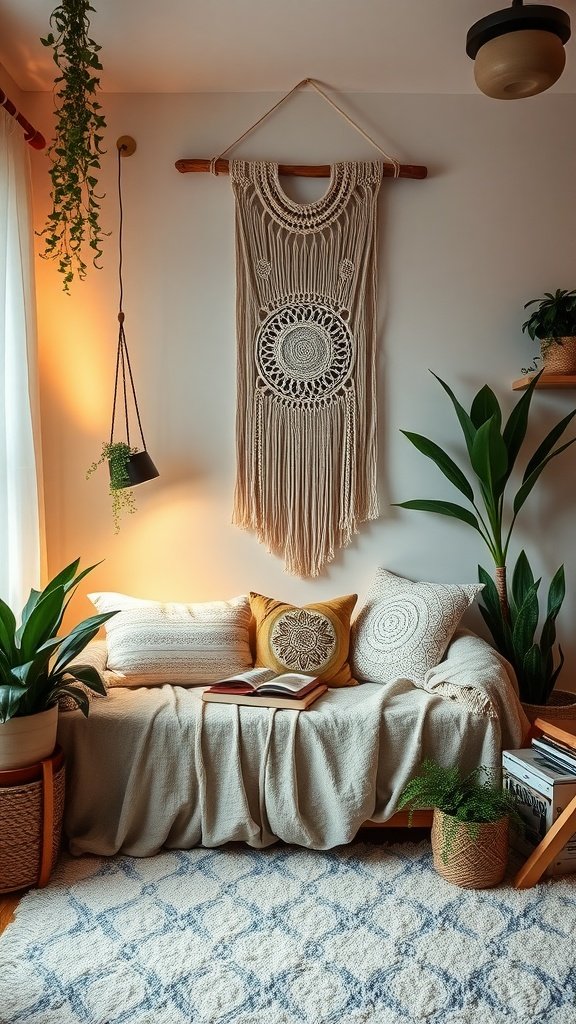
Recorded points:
547,380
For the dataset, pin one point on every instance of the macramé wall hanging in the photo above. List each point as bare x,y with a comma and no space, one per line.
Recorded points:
306,335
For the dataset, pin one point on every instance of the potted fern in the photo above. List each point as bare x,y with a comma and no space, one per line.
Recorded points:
470,824
553,323
37,666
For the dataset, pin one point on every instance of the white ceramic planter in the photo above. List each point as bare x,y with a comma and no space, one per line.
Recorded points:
28,740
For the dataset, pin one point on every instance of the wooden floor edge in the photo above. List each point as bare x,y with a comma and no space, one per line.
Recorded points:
420,819
8,904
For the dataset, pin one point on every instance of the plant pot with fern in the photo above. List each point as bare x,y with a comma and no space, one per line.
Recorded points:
510,609
553,323
470,824
38,666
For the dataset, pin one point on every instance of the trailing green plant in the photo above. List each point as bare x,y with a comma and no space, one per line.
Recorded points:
73,221
472,799
553,319
117,456
36,665
512,615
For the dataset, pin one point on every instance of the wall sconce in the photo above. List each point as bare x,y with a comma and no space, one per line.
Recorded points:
518,51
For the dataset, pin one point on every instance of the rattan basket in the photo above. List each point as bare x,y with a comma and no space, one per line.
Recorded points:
474,860
559,355
31,811
561,705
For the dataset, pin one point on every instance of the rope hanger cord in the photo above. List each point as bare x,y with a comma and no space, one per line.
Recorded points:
122,354
308,81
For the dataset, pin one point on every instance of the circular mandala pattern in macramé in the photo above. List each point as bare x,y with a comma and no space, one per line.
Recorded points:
302,640
304,351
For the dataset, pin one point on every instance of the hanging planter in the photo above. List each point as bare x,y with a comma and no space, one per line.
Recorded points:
73,222
128,465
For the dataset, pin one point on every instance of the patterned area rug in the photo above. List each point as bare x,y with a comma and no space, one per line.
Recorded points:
234,936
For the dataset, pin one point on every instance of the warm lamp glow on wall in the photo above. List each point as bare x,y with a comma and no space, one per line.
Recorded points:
518,51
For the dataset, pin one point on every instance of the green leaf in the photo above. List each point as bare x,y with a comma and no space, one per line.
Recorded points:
556,592
42,622
484,407
548,444
443,508
71,691
10,697
468,428
489,459
445,464
528,484
78,638
517,424
88,675
532,674
7,630
522,580
526,622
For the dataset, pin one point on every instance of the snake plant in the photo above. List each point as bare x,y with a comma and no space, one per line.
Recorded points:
512,613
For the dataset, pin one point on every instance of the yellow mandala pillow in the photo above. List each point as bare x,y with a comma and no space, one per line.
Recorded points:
314,638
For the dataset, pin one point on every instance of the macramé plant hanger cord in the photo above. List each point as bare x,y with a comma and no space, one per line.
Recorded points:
306,334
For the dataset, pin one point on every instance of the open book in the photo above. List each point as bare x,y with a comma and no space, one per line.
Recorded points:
264,682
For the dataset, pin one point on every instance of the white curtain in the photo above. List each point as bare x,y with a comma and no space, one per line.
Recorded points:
20,521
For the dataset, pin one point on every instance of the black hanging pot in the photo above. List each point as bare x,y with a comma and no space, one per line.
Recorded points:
140,468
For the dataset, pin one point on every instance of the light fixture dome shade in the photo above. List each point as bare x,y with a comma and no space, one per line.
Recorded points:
519,64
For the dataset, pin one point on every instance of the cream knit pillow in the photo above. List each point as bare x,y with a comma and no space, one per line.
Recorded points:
404,628
151,643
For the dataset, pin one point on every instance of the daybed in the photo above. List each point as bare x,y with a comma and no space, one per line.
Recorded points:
158,767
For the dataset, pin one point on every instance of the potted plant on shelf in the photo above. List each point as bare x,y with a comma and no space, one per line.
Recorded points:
470,824
553,322
37,666
511,612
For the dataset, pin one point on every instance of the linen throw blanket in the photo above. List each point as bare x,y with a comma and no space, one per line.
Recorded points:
158,767
306,327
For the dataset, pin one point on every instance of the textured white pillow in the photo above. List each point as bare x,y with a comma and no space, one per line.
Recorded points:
404,628
151,643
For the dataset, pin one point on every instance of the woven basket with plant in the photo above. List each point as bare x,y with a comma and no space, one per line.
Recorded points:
471,818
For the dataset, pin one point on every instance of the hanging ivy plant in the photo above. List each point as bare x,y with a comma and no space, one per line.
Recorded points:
117,455
75,151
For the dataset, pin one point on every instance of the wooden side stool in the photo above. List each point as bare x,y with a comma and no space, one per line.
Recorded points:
31,812
565,825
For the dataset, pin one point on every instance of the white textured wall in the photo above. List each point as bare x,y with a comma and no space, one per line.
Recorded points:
494,225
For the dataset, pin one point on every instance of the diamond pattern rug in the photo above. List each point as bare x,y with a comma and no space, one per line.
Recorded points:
361,934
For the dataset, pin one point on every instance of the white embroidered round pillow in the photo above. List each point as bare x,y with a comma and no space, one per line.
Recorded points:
404,628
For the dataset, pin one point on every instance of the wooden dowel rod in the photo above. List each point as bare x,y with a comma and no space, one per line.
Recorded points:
33,137
296,170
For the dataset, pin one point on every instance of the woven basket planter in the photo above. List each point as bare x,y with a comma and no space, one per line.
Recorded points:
474,861
559,355
31,811
562,705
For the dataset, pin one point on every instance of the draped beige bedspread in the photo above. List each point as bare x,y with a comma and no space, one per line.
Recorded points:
158,767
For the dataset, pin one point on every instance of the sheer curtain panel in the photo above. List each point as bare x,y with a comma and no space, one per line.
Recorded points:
20,547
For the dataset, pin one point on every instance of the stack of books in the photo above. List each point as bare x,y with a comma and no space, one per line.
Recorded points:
542,781
264,688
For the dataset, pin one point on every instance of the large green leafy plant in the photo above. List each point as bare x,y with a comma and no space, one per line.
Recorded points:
73,221
36,665
512,613
554,316
471,798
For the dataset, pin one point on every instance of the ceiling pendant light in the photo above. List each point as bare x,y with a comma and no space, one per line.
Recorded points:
518,51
